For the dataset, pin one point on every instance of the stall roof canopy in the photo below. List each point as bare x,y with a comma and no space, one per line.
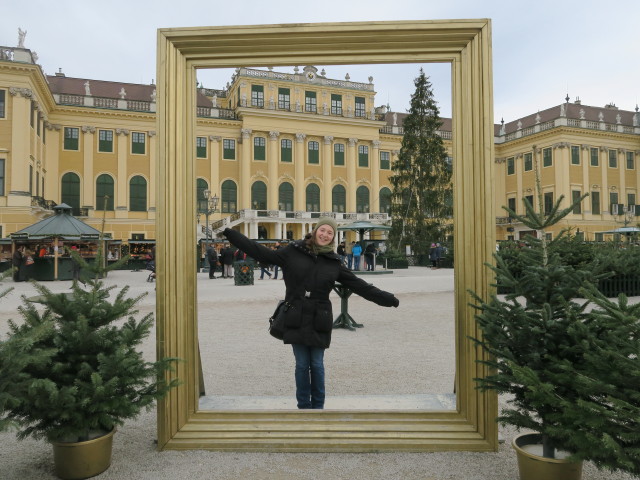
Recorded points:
61,224
625,230
366,226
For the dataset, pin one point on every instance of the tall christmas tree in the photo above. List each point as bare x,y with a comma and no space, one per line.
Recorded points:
422,192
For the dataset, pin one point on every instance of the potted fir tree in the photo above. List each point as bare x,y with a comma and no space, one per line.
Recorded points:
76,370
550,352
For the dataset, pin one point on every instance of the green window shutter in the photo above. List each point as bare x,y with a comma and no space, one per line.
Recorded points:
228,149
575,195
548,202
70,192
575,155
257,96
310,104
613,158
138,143
285,197
2,160
363,156
286,150
595,203
259,144
547,158
385,161
105,141
336,104
201,147
314,152
338,154
3,103
104,187
259,196
229,196
138,194
360,107
528,162
284,99
362,199
339,199
631,163
71,136
385,200
595,159
313,198
511,166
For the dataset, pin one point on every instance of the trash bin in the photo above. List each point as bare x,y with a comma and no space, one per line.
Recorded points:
243,273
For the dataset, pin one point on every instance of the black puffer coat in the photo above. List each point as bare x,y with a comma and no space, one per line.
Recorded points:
309,279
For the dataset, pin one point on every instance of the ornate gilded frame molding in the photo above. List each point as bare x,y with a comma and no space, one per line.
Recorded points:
466,45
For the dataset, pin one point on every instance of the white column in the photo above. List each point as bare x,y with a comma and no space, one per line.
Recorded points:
299,162
325,203
272,171
87,165
352,159
374,166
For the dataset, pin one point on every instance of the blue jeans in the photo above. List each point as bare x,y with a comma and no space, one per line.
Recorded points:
276,269
309,376
356,262
349,260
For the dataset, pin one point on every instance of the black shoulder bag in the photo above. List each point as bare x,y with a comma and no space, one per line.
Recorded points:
276,321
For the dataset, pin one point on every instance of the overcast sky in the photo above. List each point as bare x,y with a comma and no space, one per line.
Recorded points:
542,50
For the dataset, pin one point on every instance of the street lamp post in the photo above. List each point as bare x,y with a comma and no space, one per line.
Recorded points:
209,208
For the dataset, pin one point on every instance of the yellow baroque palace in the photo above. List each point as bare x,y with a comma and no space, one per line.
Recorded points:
280,149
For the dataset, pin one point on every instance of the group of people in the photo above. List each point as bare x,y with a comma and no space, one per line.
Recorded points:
224,259
436,254
311,267
351,254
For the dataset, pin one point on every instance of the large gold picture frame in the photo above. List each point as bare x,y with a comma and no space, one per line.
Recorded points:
466,45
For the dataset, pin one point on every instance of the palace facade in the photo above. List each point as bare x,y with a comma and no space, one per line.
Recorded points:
280,149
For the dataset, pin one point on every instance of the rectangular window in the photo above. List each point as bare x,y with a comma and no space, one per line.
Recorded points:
511,166
105,141
3,103
631,161
201,147
228,149
310,104
385,161
39,120
286,150
1,176
575,195
284,99
336,104
613,203
363,156
548,202
338,154
631,202
138,142
71,135
595,203
529,198
595,159
259,144
547,158
511,203
257,96
575,155
31,180
314,152
613,158
528,162
360,108
32,113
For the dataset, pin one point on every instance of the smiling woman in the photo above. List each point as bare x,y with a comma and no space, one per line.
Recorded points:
465,45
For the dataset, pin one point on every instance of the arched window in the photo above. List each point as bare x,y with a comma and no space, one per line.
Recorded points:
229,197
313,198
138,194
362,199
339,199
70,192
104,188
201,199
259,196
285,197
385,200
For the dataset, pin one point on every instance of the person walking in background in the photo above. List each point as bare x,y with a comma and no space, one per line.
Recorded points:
357,253
226,258
349,250
276,268
212,258
311,268
342,253
433,256
369,255
16,262
440,251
